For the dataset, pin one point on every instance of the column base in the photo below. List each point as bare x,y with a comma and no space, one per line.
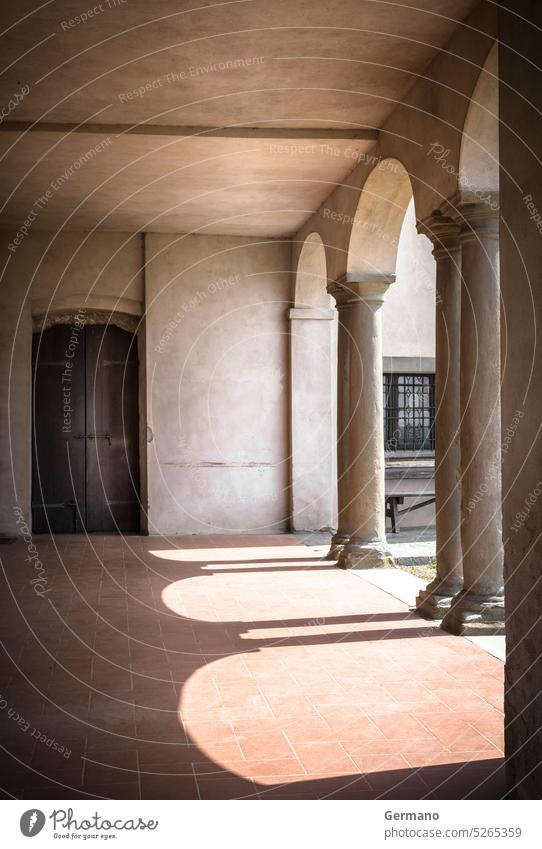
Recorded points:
365,556
337,544
474,615
436,599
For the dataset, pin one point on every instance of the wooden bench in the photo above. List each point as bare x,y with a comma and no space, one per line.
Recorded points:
393,499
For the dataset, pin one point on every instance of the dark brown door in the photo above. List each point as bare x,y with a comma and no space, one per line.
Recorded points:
112,430
85,433
58,462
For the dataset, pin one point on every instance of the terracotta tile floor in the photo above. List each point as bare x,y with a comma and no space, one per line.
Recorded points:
226,667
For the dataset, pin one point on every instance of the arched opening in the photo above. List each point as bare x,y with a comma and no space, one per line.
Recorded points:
480,602
408,341
385,241
408,320
311,276
313,392
467,592
379,217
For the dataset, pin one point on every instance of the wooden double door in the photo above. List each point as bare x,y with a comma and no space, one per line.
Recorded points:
85,434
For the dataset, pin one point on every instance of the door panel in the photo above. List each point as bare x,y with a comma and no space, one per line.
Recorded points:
85,472
112,430
58,455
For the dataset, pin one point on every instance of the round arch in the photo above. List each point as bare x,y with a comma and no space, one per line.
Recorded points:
311,274
384,242
374,238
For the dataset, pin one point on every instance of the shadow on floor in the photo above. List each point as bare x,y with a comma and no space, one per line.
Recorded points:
108,689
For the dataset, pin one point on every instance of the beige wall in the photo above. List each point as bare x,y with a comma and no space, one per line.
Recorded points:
218,395
50,272
217,391
408,314
100,270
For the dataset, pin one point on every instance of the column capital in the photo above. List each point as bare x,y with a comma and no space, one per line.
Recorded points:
352,288
442,231
477,216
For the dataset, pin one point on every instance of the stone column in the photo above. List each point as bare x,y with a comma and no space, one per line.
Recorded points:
435,599
365,512
341,537
479,607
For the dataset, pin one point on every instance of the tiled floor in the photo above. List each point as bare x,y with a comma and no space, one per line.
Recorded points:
226,667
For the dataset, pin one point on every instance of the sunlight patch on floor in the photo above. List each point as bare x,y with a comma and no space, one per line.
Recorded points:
268,552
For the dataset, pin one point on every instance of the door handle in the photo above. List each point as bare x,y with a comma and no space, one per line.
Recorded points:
94,436
100,436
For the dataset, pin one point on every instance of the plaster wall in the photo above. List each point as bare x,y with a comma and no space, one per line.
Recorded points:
218,364
479,163
408,314
100,270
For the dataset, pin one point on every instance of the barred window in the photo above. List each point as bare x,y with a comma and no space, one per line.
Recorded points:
409,412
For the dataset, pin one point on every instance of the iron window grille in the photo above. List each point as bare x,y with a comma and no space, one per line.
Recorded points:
409,412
